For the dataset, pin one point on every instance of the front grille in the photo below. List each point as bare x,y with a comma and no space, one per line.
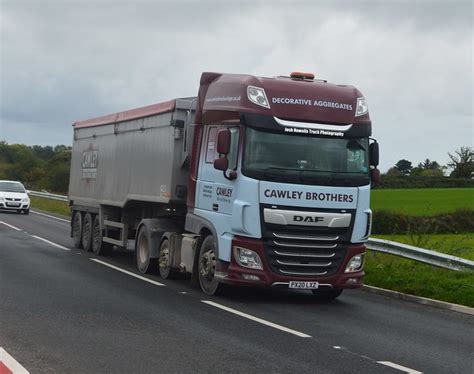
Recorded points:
12,199
304,255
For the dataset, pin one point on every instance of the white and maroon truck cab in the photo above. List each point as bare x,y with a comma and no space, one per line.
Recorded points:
280,178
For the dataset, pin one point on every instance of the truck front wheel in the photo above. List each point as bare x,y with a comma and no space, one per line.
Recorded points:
77,229
143,251
207,267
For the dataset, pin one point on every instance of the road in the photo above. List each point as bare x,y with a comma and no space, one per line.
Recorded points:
63,311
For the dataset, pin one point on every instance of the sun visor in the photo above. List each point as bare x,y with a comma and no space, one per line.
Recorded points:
283,126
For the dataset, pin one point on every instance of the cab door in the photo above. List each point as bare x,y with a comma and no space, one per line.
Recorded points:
215,189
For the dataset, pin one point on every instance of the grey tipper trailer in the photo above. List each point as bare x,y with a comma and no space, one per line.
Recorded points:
127,167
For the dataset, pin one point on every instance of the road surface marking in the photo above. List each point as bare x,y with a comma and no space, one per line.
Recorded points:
51,243
10,363
127,272
400,367
12,227
47,215
256,319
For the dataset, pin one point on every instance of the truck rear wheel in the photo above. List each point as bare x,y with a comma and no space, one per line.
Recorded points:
98,246
207,267
77,229
327,294
164,259
143,251
87,232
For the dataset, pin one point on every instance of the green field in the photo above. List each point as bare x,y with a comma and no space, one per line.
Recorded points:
423,202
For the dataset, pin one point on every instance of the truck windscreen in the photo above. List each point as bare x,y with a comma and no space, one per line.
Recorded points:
307,160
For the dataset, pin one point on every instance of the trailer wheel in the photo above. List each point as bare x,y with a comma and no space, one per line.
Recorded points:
98,246
77,229
327,294
164,259
207,267
143,244
87,232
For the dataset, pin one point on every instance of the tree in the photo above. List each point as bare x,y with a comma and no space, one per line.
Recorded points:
404,166
429,165
394,172
462,162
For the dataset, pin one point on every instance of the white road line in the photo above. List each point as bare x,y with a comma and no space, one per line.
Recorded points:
47,215
11,363
51,243
127,272
400,367
256,319
12,227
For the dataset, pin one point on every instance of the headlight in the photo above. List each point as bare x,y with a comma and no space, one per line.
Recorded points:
2,198
362,107
26,200
356,263
247,258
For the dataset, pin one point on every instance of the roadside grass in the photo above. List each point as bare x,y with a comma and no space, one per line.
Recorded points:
423,202
460,245
414,278
49,205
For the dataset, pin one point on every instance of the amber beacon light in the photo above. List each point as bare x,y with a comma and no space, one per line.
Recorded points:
301,75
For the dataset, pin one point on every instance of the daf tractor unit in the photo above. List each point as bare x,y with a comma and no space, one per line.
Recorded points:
260,182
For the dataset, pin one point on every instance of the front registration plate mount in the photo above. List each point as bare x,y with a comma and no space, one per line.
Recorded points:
304,285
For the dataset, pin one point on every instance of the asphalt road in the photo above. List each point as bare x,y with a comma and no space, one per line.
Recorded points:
63,312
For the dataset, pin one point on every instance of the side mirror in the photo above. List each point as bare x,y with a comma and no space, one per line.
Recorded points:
221,164
374,154
223,142
374,177
28,192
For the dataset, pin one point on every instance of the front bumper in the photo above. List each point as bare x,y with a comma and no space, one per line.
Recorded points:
267,278
7,205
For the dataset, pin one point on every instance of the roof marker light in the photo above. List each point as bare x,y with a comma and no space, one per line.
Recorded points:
362,107
257,96
301,75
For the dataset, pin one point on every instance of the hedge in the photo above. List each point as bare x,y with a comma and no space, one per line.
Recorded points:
387,223
387,181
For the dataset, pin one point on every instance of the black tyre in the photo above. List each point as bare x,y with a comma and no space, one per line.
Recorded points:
145,264
164,259
327,294
77,229
87,232
97,245
207,261
26,211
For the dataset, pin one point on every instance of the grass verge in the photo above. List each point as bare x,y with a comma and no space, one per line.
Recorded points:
49,205
403,275
423,201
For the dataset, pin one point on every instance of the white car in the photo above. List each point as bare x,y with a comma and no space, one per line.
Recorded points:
13,196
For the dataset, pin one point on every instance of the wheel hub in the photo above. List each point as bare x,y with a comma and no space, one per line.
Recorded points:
207,265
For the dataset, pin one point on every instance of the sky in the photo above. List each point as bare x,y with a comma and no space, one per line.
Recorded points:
62,61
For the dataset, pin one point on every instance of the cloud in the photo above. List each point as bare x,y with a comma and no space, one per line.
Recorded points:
67,60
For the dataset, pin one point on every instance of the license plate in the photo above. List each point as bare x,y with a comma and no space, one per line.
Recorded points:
304,285
13,205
